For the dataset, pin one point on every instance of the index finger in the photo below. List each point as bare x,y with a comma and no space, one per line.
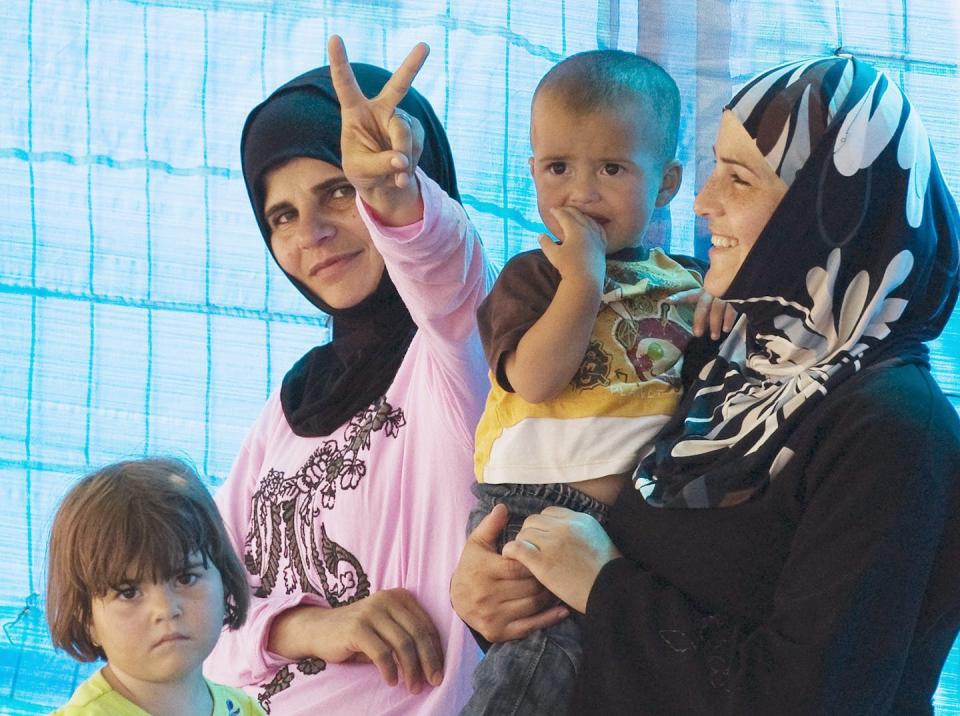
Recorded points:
571,216
345,84
400,81
570,213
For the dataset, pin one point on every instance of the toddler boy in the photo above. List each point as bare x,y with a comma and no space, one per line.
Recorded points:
584,350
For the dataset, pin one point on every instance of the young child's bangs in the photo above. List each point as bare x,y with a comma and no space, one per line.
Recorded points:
137,521
149,545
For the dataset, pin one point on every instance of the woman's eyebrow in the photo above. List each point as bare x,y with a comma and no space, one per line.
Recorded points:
736,162
327,184
276,208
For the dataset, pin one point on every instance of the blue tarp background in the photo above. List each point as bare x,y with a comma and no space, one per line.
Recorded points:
139,312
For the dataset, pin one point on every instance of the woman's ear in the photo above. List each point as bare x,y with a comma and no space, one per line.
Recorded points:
669,182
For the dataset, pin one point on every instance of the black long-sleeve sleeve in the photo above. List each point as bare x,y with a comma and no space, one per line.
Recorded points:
836,592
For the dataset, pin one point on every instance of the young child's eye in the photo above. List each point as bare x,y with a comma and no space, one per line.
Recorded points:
126,592
612,169
188,579
557,168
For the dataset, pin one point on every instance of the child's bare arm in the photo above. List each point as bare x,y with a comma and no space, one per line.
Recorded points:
550,352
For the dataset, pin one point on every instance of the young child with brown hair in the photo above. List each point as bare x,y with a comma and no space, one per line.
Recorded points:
142,574
584,337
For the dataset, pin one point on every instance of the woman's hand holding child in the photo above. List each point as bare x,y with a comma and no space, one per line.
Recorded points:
565,550
499,597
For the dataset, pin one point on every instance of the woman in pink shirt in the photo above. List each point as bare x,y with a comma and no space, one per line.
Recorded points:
348,498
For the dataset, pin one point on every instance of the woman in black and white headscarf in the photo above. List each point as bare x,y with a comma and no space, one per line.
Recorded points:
790,545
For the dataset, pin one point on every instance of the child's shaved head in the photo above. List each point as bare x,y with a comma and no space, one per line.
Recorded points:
605,80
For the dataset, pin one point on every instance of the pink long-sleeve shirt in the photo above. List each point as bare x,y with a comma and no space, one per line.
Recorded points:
381,502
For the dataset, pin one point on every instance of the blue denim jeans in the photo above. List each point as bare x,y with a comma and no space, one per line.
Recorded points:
532,676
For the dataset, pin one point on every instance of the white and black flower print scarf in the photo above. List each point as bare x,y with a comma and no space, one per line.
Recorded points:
858,264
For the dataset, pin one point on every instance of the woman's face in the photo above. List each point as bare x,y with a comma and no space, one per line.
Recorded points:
738,200
316,232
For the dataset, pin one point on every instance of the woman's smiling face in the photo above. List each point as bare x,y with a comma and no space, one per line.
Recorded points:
738,200
316,232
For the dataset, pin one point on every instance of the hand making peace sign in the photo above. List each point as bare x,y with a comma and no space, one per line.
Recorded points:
380,144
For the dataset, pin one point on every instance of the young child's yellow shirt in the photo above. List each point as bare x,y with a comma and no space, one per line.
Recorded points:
95,697
626,388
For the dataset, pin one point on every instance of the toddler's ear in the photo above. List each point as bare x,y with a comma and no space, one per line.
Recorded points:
669,182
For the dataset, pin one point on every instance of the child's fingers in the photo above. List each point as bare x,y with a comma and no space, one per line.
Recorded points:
344,82
399,83
584,220
547,242
568,216
578,226
570,227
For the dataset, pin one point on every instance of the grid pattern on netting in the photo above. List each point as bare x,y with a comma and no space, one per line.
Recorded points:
139,312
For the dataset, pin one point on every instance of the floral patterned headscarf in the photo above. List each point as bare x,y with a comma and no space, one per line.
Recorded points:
857,265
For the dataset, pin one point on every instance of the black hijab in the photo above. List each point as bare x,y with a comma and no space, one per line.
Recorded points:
857,266
335,381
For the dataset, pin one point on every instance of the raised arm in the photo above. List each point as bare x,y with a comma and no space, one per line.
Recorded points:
432,251
380,143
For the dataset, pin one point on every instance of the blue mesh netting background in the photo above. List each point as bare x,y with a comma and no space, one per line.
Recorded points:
139,312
